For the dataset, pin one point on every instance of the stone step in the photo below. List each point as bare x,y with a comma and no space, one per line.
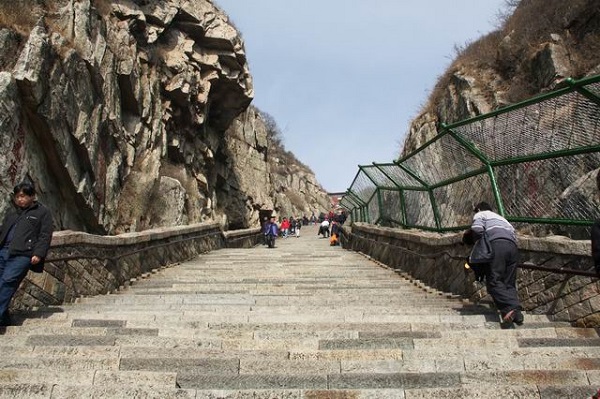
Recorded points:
278,303
285,299
377,381
351,361
450,355
181,321
274,318
240,298
69,330
61,363
526,391
68,391
299,322
151,379
465,392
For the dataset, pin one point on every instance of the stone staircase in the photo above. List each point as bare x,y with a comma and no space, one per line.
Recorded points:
301,321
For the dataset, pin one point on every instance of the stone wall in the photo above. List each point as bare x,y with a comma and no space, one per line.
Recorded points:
81,264
438,261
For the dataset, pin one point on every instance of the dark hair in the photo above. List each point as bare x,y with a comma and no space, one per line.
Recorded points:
482,206
25,188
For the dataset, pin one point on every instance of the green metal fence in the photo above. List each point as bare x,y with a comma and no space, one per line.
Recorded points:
535,162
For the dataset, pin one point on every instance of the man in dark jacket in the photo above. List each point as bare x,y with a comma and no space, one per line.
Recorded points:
271,232
25,238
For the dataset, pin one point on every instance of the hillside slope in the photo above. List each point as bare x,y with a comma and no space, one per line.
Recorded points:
540,43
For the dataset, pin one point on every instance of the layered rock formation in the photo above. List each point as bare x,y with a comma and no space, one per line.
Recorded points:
123,114
257,174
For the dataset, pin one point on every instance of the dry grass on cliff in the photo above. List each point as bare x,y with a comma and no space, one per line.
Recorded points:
480,55
20,15
576,21
104,7
506,53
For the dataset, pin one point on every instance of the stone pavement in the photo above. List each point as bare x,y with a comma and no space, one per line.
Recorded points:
301,321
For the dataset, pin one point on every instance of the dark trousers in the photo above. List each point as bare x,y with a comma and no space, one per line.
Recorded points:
324,231
501,277
13,270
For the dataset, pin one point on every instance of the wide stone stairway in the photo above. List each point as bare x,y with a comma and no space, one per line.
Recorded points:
302,320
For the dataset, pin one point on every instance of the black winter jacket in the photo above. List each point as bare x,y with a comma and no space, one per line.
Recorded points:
33,231
596,245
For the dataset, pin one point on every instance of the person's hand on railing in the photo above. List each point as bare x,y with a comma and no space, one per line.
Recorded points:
468,237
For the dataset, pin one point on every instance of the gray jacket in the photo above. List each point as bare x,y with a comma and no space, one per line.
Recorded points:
494,225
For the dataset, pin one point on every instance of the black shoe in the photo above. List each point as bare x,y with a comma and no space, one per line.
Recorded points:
518,317
5,321
513,316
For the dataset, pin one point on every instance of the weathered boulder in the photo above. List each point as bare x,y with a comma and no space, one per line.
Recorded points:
551,63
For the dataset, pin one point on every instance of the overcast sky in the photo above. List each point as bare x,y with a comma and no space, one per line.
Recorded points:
344,78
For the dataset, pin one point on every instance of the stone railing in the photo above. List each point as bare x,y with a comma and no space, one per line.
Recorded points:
80,264
438,261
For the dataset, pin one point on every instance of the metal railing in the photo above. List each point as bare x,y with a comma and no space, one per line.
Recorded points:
535,162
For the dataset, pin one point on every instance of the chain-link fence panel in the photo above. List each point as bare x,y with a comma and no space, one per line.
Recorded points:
456,201
391,212
441,160
419,211
556,189
557,124
534,162
380,178
400,176
593,88
347,204
363,187
373,211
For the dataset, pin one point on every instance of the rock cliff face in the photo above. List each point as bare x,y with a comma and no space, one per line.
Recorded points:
131,114
256,174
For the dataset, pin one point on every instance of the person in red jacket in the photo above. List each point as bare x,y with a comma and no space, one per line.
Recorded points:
285,227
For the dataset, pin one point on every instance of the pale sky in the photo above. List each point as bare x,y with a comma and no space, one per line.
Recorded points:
344,78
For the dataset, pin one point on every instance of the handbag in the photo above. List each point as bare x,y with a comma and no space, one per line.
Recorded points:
482,251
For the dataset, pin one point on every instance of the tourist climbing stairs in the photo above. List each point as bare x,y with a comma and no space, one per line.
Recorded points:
304,320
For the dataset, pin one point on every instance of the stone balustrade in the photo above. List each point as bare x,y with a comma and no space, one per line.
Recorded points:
438,261
80,264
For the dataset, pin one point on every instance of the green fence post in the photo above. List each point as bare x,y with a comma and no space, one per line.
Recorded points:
400,193
360,201
578,87
436,213
379,202
481,156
